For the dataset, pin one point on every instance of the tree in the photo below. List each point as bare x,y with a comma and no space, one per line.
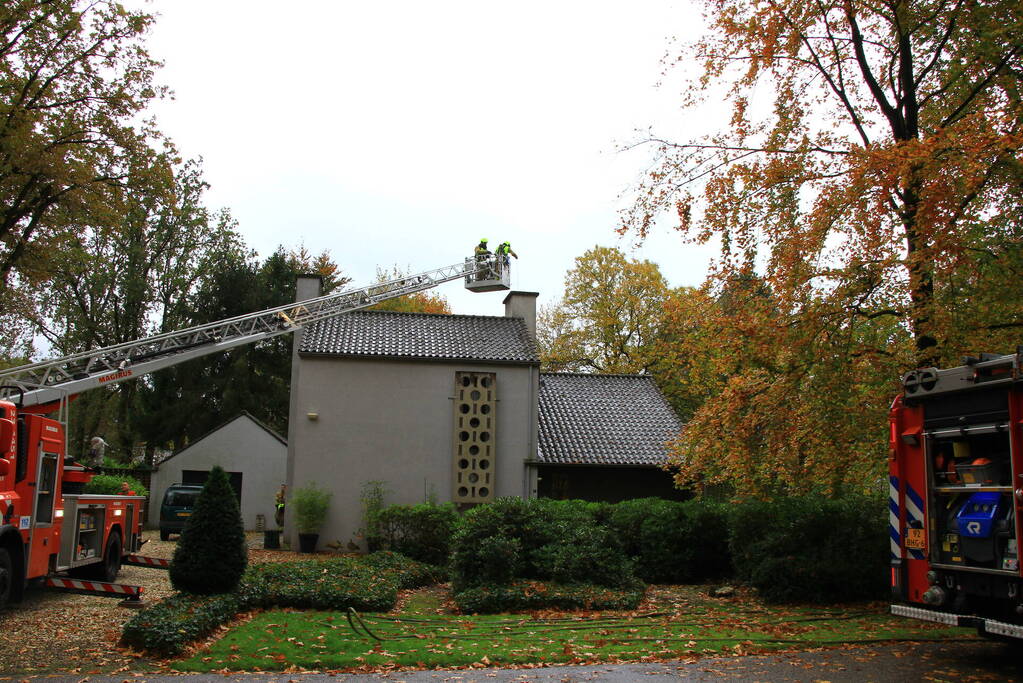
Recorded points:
186,401
302,262
873,191
607,317
74,77
211,555
420,302
883,173
123,282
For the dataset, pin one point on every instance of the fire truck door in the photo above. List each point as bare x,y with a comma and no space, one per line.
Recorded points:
41,537
46,493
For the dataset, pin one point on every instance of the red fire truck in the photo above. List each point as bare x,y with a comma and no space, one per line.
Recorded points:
47,525
956,493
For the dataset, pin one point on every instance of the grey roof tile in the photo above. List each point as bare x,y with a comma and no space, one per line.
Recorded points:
386,334
603,420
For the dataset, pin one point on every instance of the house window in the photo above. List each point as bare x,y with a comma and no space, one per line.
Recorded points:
475,447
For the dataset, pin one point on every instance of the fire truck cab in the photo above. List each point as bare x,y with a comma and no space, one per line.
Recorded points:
956,494
47,525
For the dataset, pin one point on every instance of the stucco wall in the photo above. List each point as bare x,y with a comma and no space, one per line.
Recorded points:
392,421
241,445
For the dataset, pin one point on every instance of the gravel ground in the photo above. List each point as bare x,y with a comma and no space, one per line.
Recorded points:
51,631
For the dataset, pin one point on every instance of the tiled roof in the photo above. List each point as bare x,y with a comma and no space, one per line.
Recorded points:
603,420
385,334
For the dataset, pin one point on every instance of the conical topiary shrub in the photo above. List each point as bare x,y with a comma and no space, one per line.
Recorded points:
211,555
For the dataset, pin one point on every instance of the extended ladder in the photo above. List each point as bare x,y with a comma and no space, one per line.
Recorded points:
52,380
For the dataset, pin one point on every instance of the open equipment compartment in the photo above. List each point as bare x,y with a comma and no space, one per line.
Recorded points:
973,519
82,535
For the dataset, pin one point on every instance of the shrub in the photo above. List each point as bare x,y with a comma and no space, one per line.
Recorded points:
525,595
211,555
811,549
626,518
674,542
535,539
585,553
166,627
368,583
406,571
708,555
310,503
109,484
372,500
422,532
491,560
310,584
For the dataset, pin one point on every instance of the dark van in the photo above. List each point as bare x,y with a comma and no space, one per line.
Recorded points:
178,502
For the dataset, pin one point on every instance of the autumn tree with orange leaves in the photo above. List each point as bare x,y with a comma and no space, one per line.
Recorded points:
870,176
418,302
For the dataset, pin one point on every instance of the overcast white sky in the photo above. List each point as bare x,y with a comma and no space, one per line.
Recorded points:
401,132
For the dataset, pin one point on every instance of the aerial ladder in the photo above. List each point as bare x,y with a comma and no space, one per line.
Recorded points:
48,382
47,526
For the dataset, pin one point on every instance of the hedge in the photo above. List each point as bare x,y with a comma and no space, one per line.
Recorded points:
109,484
812,549
675,542
368,583
538,539
524,595
806,549
422,532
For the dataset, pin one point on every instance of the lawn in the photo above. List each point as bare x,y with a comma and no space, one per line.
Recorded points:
674,622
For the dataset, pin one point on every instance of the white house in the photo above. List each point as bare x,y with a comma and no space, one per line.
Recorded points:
252,454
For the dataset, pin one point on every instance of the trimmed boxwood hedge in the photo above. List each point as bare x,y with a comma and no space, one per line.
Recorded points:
794,549
540,539
503,551
674,542
368,583
812,549
525,595
168,626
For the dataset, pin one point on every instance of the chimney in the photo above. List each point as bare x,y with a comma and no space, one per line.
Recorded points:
522,305
308,287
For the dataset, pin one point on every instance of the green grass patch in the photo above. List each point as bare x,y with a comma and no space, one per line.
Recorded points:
675,622
369,583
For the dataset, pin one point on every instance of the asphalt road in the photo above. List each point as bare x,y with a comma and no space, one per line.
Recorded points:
903,662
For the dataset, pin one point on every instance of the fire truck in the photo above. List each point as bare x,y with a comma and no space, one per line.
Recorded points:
956,493
50,528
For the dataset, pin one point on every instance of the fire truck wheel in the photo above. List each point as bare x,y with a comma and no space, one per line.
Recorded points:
108,569
6,577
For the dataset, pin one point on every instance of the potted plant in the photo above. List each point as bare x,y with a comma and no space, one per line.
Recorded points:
310,503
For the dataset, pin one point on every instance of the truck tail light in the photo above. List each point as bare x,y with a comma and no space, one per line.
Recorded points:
898,591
